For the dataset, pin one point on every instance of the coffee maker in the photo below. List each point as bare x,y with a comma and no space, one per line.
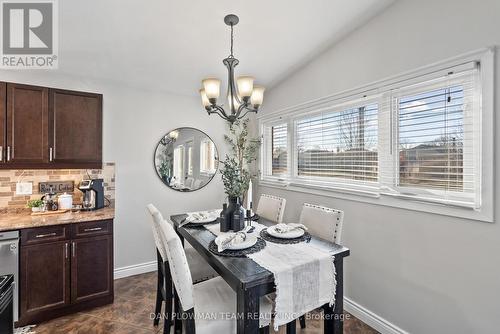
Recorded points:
93,194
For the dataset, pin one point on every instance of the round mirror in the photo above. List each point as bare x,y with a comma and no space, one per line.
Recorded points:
186,159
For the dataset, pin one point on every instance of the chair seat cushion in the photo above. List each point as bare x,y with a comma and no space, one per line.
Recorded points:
215,308
200,269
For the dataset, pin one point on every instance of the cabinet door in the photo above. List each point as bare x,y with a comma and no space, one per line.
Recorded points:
27,125
91,268
3,119
45,277
76,123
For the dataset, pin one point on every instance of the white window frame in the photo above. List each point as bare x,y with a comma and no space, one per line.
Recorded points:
383,92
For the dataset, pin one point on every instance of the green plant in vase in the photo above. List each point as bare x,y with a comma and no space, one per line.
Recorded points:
235,169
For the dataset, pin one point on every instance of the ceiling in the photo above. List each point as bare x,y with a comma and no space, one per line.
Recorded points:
171,45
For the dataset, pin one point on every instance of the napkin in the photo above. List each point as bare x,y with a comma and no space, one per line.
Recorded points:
285,228
224,241
202,215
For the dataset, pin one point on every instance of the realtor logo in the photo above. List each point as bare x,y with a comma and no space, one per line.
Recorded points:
29,34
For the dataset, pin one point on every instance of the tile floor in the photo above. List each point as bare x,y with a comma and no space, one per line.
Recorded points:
131,311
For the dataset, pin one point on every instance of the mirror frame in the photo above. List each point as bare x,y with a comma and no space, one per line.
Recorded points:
216,159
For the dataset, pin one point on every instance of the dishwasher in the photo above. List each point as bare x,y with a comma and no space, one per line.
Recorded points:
9,262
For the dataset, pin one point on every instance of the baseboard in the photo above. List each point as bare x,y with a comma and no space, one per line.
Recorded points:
371,319
135,269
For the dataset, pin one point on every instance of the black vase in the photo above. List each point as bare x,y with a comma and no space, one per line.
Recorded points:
232,206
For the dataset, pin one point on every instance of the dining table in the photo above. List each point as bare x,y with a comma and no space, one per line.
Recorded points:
250,281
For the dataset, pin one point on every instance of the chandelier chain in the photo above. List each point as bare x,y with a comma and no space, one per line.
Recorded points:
232,39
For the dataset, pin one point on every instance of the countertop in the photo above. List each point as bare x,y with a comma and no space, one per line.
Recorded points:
17,221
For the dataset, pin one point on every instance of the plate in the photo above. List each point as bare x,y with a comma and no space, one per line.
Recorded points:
210,217
249,242
288,235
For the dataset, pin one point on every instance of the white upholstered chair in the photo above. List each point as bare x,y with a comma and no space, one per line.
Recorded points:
271,208
323,222
201,270
211,297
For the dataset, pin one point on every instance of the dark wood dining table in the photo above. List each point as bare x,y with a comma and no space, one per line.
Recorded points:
250,281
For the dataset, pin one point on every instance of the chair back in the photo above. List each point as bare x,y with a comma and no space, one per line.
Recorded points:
323,222
179,268
189,182
271,208
157,220
197,184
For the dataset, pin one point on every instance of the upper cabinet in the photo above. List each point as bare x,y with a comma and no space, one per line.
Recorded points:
49,128
27,125
76,124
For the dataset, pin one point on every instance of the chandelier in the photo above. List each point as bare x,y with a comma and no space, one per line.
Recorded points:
247,98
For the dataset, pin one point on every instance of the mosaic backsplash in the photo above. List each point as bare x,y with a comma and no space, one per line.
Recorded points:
9,202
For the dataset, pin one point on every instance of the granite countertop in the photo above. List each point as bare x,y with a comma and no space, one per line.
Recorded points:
17,221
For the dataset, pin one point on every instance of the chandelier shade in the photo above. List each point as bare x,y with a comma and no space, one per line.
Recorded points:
243,96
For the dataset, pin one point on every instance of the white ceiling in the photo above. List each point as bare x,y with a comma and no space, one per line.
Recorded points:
171,45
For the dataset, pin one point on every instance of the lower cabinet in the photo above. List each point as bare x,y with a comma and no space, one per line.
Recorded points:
63,270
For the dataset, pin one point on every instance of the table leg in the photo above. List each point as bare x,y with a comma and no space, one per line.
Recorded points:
334,319
247,309
178,314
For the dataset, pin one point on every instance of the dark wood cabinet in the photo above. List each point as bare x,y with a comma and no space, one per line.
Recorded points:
27,125
65,269
76,125
3,120
44,127
90,267
45,279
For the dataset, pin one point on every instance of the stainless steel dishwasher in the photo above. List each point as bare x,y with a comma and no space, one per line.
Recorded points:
9,262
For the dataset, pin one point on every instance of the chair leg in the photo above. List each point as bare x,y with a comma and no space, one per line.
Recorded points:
168,303
291,327
264,330
302,320
159,297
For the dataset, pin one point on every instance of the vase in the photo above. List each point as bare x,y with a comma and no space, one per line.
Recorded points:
231,207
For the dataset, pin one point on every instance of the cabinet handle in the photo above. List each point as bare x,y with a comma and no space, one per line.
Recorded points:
66,245
1,153
53,234
50,154
8,153
92,229
73,249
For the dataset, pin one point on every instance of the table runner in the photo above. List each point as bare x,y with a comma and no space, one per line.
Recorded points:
304,275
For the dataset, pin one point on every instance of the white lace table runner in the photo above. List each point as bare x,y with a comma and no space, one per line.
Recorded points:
304,275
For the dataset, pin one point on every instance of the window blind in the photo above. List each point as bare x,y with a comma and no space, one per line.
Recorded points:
436,137
279,137
339,144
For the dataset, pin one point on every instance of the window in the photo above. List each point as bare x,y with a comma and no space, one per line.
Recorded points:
178,165
190,158
339,144
415,137
280,149
207,157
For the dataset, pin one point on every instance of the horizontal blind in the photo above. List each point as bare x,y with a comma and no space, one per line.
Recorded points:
279,137
436,136
339,145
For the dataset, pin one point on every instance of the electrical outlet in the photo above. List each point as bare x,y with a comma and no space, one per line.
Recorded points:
24,188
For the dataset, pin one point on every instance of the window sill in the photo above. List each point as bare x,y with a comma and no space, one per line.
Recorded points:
384,199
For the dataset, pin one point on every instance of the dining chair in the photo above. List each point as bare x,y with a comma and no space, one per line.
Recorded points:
197,184
212,297
271,208
200,270
324,223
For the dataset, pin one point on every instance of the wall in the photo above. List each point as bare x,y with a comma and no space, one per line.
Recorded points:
10,202
422,272
134,121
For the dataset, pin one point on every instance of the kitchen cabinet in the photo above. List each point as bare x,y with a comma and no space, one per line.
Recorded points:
27,125
65,269
49,128
45,277
76,125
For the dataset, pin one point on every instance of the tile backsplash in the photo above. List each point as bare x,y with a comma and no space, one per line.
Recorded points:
10,202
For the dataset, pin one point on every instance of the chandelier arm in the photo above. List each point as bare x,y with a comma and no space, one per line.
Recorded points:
220,109
248,110
218,114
